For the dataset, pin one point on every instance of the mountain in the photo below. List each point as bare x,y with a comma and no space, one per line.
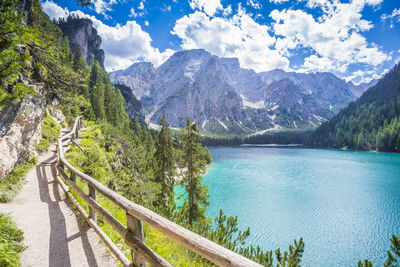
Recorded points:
138,77
227,99
358,90
133,106
370,123
81,32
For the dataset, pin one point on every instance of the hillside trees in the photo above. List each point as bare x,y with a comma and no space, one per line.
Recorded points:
370,123
106,101
12,53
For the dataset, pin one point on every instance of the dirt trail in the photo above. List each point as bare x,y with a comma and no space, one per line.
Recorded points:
55,236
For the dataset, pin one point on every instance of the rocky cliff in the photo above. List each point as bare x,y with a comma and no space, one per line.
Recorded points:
81,32
225,98
20,130
137,77
133,106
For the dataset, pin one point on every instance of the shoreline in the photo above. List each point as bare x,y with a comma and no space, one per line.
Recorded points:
274,145
179,173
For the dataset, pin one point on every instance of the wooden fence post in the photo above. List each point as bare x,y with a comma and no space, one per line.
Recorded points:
92,194
73,177
135,226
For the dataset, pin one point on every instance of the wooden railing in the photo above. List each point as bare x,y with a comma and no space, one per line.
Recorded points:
135,214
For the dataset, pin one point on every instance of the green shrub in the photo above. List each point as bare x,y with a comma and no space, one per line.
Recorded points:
10,242
12,183
50,132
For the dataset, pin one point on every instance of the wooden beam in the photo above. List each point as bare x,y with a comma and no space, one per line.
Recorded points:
198,244
135,227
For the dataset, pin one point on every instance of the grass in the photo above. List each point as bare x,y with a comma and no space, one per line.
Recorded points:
12,183
10,242
50,132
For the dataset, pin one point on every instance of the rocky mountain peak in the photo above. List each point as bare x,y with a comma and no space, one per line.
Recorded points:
80,31
225,98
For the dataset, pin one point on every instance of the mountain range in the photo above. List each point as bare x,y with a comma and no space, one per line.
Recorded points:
227,99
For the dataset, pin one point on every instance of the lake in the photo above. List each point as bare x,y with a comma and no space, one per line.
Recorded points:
345,204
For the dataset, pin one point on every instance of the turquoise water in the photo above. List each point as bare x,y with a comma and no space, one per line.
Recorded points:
345,204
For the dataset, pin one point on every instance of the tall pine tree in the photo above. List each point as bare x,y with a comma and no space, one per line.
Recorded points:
195,167
79,62
96,88
165,161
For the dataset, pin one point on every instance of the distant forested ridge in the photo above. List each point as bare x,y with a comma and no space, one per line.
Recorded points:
283,137
370,123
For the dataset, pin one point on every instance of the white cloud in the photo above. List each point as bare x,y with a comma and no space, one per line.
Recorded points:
373,2
123,44
102,6
394,17
141,5
54,11
146,22
227,11
134,14
254,3
239,37
334,38
210,7
278,1
165,8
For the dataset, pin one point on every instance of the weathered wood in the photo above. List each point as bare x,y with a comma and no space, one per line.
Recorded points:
142,249
73,177
136,228
81,148
134,243
198,244
92,195
114,249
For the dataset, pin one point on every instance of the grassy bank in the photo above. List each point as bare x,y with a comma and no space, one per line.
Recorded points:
12,183
50,132
10,242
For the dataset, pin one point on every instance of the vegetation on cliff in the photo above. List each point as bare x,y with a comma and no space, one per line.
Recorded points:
370,123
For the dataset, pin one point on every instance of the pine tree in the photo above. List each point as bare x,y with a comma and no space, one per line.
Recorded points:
79,62
12,53
194,168
392,261
165,161
96,87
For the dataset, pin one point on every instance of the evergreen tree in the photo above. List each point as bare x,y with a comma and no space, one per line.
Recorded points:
195,167
66,54
12,53
79,62
393,260
165,161
96,88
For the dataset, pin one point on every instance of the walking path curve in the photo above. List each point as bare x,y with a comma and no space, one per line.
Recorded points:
53,234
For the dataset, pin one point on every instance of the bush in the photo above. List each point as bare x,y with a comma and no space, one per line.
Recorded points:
50,132
10,242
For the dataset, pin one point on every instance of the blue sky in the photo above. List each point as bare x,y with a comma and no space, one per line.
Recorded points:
357,40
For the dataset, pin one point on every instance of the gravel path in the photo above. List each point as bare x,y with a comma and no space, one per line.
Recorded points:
53,234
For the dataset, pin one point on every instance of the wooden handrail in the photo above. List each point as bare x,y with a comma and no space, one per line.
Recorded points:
136,214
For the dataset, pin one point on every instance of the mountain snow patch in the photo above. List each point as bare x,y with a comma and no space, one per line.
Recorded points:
248,104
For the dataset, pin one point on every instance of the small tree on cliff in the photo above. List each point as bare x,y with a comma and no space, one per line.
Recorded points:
195,167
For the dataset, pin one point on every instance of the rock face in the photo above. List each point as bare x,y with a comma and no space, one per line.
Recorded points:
133,106
20,130
81,32
137,77
225,98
